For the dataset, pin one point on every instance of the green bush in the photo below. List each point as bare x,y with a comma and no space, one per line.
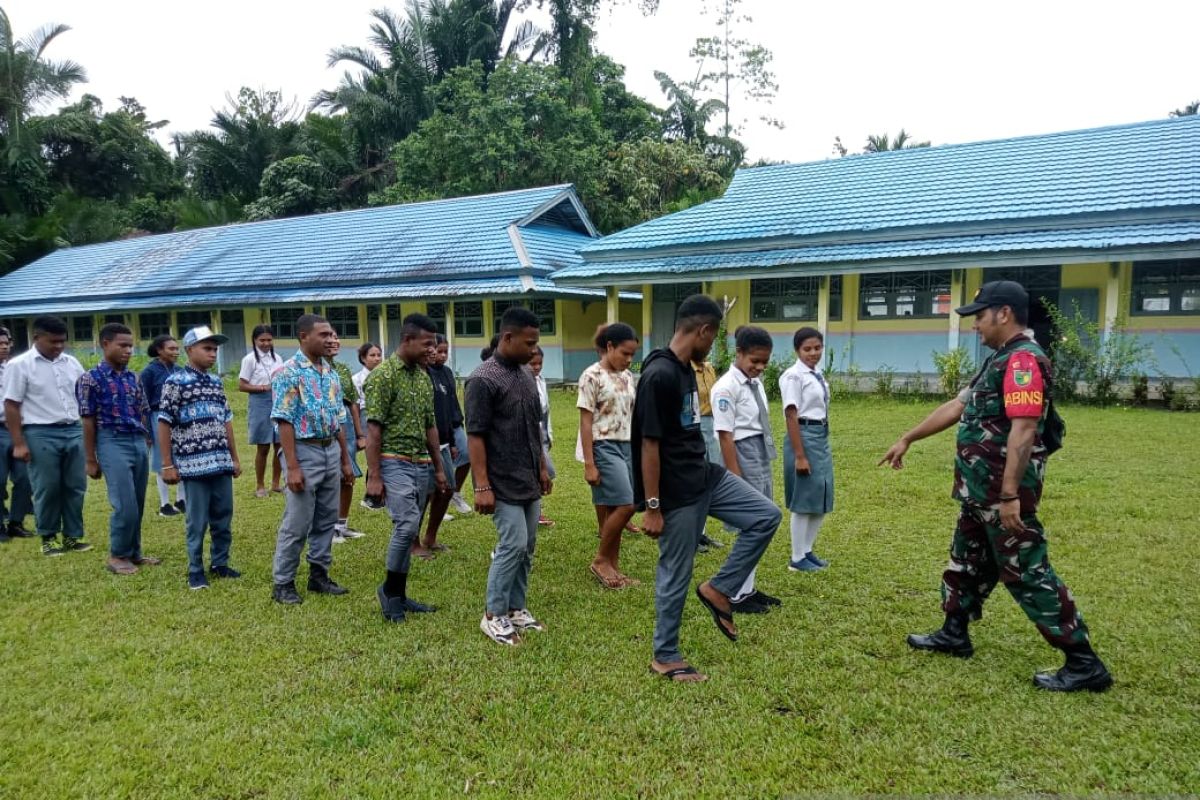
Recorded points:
1084,353
954,367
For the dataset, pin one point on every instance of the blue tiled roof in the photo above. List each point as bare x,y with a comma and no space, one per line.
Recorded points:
835,257
455,247
1029,182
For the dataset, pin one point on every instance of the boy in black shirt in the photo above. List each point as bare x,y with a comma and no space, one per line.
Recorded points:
680,487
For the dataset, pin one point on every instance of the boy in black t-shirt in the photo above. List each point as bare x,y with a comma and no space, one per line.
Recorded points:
680,488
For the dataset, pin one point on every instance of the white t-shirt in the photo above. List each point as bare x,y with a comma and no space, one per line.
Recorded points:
359,379
258,372
806,390
733,405
45,389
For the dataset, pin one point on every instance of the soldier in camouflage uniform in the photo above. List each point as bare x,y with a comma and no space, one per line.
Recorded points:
998,473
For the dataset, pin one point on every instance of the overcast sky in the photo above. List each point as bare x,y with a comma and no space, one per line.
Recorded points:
946,71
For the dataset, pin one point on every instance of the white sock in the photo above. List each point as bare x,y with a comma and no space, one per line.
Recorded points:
799,536
180,492
814,526
747,588
341,524
164,493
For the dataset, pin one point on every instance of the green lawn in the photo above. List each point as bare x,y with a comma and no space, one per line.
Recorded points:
117,687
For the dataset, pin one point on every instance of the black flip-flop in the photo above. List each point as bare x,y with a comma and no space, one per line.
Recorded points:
672,674
718,615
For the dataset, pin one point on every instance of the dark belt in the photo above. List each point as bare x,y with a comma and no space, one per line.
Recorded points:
51,425
804,421
409,459
317,442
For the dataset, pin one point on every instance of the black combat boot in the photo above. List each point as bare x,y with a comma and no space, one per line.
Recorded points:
1083,670
320,582
952,638
286,593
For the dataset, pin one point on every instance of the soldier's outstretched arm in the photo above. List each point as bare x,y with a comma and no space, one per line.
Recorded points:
941,418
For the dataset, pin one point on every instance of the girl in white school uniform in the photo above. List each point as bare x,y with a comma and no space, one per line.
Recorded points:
807,462
743,426
258,367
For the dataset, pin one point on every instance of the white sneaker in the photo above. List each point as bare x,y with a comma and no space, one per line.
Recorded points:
524,621
350,533
460,505
338,538
448,517
500,630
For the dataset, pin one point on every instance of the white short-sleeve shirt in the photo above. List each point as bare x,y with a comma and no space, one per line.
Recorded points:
44,388
258,372
359,379
806,390
733,405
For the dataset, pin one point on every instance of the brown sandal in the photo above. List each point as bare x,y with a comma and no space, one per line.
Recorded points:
607,583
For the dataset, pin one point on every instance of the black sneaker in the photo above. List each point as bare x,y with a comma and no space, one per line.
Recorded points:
765,599
196,580
181,505
286,593
168,511
707,541
70,545
225,572
749,605
50,546
17,531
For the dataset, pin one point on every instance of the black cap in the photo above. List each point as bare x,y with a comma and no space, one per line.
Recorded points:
997,293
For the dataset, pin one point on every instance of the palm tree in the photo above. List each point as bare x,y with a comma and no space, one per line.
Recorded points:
686,116
881,143
28,79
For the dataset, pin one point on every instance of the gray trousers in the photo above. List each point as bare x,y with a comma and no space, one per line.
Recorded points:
22,496
732,501
209,506
311,514
58,478
407,486
124,460
508,577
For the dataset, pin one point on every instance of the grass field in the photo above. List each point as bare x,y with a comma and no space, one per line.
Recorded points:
137,687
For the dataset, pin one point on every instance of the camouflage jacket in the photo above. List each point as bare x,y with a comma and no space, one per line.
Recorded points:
1014,382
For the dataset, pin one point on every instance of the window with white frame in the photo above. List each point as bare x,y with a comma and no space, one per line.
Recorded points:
904,295
1166,287
437,313
468,318
81,329
283,321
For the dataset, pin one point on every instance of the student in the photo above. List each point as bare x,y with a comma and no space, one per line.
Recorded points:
12,519
258,368
807,463
743,426
449,417
195,431
370,356
307,405
403,455
706,376
605,403
163,352
508,466
680,487
535,366
356,440
42,417
116,420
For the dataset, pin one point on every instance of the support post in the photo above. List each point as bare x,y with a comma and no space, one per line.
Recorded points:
613,304
450,354
957,276
1112,291
823,306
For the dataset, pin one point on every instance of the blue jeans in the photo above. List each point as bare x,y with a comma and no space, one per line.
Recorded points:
406,485
508,577
209,505
57,477
22,495
734,502
124,460
309,515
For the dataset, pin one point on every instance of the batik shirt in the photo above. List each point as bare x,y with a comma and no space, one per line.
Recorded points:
1014,382
609,396
115,399
400,400
193,403
309,396
349,394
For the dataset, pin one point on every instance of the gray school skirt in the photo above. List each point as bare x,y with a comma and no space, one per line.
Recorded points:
614,460
262,430
812,493
755,465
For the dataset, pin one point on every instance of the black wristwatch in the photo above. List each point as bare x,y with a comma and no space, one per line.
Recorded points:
652,503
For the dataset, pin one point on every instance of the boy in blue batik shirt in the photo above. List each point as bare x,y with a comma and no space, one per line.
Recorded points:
195,435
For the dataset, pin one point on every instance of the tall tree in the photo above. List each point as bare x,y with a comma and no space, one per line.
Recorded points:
736,67
1190,110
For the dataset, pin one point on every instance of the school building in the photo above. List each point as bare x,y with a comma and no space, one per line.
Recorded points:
877,250
462,261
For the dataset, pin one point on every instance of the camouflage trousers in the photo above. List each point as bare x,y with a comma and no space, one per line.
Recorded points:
983,553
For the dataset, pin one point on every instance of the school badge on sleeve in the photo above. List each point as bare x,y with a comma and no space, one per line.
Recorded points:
1024,393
